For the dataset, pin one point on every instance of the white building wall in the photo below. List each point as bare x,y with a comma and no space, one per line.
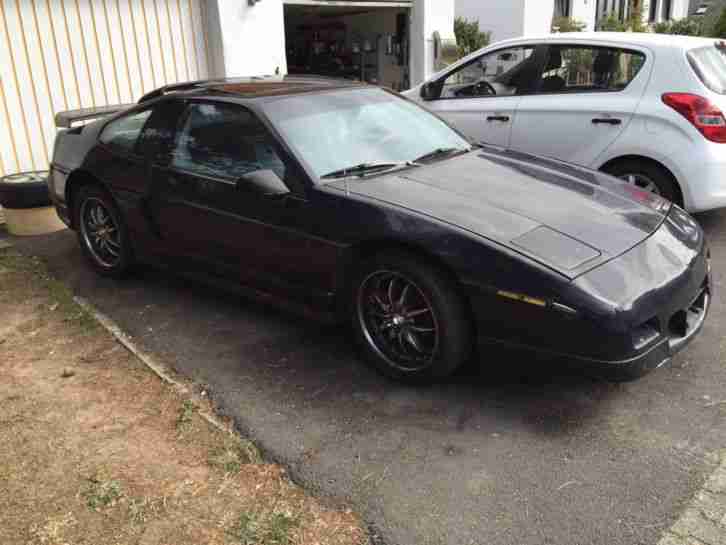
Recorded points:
503,19
427,17
247,40
538,17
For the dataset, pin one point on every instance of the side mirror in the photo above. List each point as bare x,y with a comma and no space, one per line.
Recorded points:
428,91
263,182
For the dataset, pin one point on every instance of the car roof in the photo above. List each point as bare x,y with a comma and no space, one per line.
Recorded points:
646,39
254,87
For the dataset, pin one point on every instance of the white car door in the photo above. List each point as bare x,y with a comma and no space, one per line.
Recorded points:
585,98
480,98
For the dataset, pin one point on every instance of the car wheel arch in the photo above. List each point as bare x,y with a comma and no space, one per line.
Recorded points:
76,180
358,253
605,167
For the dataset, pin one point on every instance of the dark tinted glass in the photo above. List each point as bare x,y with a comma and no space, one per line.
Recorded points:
224,141
124,132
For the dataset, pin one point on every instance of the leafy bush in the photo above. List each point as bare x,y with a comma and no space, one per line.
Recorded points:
567,24
719,29
612,23
688,26
469,37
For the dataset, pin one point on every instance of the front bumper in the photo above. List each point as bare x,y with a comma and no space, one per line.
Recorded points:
684,326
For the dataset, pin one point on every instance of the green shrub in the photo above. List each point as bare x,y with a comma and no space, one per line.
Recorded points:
567,24
469,37
719,29
688,26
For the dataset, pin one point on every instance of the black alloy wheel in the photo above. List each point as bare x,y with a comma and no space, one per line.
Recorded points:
398,320
101,231
409,318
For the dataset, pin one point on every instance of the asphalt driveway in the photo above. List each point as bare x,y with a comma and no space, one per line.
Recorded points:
513,450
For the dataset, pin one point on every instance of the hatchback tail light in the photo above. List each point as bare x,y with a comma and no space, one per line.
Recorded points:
702,114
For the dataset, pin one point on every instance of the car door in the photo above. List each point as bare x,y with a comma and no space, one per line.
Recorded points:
481,97
217,218
586,96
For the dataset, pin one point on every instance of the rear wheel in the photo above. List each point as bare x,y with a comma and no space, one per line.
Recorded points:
101,231
409,318
648,177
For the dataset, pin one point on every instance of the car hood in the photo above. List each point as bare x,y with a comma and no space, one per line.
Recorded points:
568,218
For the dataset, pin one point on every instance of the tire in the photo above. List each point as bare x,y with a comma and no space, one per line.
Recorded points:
643,174
109,251
416,334
25,190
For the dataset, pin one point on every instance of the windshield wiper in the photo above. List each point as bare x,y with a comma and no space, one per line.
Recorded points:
366,168
441,152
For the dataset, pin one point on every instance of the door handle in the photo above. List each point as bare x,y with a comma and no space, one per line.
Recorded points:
503,118
606,121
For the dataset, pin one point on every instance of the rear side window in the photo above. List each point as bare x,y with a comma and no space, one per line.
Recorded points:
122,134
709,64
583,69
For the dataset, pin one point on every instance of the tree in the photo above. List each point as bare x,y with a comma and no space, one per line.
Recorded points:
469,37
567,24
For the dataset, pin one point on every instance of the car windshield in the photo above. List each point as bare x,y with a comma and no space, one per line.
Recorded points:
340,130
709,63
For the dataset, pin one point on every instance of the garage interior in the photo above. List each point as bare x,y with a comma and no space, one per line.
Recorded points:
349,40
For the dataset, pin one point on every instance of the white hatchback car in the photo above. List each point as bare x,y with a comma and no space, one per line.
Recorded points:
647,108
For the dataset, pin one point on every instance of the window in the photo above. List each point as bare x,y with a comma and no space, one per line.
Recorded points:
502,73
123,133
331,131
578,69
709,63
224,141
562,8
653,11
157,137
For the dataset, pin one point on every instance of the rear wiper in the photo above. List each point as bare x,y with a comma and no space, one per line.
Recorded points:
441,152
366,168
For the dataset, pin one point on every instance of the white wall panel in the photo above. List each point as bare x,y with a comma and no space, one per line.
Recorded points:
58,55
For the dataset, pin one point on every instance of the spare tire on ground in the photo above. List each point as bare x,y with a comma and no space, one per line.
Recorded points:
24,190
26,204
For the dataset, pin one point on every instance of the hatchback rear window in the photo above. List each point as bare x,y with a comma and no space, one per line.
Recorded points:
709,64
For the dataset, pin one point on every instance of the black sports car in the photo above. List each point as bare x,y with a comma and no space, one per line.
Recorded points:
347,201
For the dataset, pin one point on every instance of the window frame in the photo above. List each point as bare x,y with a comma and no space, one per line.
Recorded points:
539,49
134,152
626,49
290,165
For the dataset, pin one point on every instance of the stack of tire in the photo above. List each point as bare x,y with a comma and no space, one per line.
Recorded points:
26,204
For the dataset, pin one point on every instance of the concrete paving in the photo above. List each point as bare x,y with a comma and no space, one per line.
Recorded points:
513,450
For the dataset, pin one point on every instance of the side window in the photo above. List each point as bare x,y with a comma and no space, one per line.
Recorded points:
501,73
573,69
157,137
123,133
224,141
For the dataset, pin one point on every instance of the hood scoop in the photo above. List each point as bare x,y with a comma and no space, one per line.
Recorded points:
553,247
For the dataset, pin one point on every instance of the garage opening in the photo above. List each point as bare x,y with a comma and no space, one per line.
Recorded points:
362,41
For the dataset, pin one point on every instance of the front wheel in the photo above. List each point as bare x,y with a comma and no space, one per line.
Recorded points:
409,318
102,232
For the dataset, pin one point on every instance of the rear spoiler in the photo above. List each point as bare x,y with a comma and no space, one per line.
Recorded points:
65,120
